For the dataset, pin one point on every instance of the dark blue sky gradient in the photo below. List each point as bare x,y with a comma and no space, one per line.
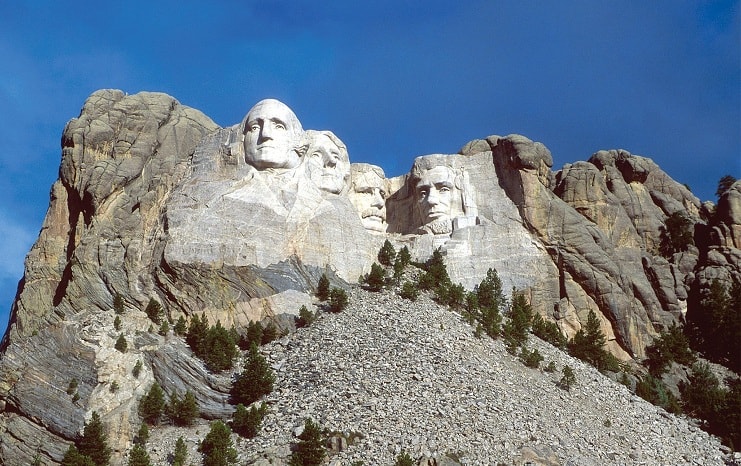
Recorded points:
393,79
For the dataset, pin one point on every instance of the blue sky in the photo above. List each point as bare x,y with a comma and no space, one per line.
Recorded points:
393,79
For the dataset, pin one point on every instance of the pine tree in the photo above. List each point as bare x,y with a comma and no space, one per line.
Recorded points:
217,446
548,331
588,343
94,441
138,456
183,411
387,254
403,459
180,326
516,329
253,335
676,235
247,421
197,333
338,300
310,450
376,279
73,457
152,405
218,348
724,184
142,436
137,369
121,343
117,323
305,317
255,380
489,302
118,304
180,455
154,311
322,289
568,379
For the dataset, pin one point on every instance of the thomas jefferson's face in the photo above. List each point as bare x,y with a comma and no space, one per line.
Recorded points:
270,134
369,198
327,166
435,190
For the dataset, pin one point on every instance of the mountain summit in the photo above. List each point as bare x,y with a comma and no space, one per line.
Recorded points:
160,215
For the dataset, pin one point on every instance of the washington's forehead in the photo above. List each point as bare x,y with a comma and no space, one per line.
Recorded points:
271,108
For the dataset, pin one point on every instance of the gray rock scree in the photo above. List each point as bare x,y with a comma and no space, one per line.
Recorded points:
391,374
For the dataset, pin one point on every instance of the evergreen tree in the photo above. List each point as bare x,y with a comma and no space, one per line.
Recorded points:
269,333
247,421
142,436
138,456
180,326
252,335
702,395
338,300
409,291
517,327
217,447
180,455
548,331
653,390
73,457
387,254
137,369
94,441
435,276
322,289
724,184
403,258
154,311
118,304
715,324
486,305
376,279
568,378
183,411
403,459
152,405
117,323
456,296
197,333
121,343
305,317
676,234
164,328
218,348
671,345
588,344
255,380
310,450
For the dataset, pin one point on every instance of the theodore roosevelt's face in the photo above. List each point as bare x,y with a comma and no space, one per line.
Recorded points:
368,195
271,132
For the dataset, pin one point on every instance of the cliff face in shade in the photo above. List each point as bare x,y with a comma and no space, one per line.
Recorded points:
154,200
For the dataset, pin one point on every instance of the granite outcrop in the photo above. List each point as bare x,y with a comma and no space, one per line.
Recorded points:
156,201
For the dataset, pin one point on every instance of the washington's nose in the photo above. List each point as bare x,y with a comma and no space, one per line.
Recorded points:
266,132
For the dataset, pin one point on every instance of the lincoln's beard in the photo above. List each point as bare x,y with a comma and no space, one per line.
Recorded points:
440,226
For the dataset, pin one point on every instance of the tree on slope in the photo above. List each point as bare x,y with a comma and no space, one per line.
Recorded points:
217,447
94,441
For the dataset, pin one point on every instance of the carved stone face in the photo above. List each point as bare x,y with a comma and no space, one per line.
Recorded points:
368,195
271,135
436,194
327,163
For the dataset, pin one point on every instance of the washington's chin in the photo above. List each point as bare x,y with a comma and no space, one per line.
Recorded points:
374,223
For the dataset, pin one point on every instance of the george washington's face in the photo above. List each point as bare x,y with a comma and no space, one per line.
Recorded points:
271,133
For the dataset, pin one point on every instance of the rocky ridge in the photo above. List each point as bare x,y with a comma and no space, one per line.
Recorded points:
130,216
390,374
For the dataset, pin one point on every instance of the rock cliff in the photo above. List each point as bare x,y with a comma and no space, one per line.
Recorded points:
155,201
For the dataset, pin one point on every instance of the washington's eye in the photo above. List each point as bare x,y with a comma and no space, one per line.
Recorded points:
444,189
279,126
254,127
